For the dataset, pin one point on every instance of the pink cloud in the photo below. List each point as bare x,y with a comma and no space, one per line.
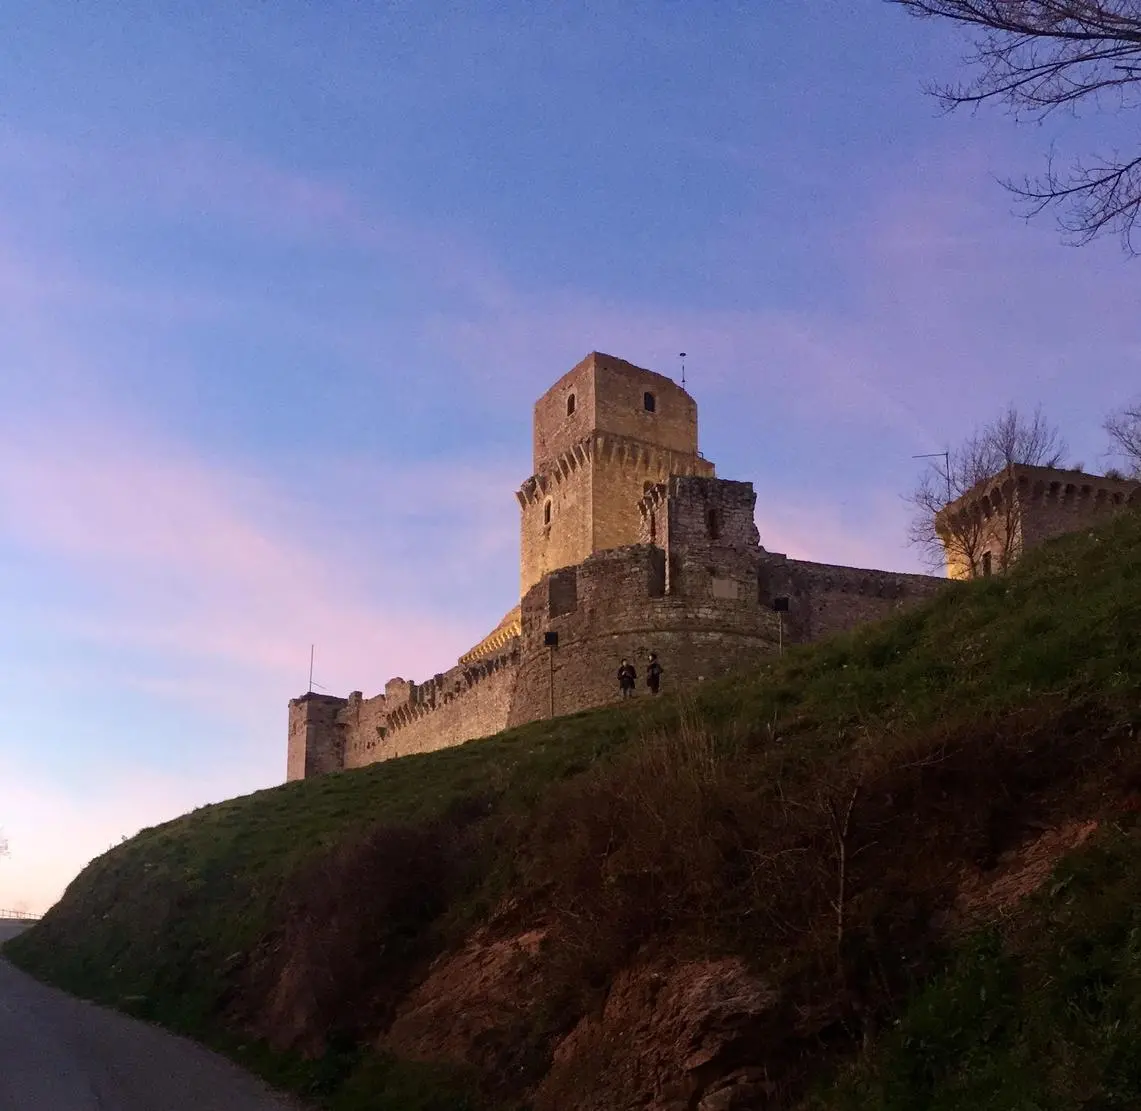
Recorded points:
201,561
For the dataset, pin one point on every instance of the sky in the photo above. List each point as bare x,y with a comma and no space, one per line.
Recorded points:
279,284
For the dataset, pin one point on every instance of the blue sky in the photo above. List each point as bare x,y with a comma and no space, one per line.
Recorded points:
280,282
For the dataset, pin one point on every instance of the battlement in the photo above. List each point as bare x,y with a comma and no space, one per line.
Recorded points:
602,449
1021,506
494,642
441,689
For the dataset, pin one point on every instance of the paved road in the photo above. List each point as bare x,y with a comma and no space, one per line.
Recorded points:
58,1053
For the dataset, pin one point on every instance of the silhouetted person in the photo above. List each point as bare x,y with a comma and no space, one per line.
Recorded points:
653,673
627,677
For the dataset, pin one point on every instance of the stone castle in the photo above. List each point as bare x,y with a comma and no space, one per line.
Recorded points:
630,544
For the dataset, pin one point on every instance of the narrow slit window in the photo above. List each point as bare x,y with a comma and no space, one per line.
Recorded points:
713,524
547,514
986,564
649,402
570,405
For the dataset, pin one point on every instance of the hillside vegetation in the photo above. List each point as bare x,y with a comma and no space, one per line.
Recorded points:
893,870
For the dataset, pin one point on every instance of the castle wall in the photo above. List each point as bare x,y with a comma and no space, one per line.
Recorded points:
458,705
825,599
615,606
1053,506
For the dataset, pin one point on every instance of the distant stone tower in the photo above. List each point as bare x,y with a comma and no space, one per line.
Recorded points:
986,530
604,434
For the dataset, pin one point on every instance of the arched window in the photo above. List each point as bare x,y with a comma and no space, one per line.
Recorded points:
649,402
547,514
713,523
570,404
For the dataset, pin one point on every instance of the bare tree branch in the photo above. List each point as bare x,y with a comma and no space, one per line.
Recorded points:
1010,439
1039,56
1124,428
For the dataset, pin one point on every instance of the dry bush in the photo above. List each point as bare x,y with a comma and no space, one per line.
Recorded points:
833,883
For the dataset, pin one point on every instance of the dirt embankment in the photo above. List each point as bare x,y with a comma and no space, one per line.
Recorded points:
714,961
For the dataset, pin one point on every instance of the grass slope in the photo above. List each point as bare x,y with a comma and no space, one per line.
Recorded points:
920,746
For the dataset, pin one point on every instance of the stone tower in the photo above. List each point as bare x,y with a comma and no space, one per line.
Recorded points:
316,737
604,434
992,524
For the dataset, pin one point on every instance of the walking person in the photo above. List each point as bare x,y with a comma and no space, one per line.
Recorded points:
627,677
653,673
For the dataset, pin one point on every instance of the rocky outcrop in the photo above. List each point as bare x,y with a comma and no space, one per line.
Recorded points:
669,1038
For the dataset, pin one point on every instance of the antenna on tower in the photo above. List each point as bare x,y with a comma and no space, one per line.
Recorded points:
681,355
311,683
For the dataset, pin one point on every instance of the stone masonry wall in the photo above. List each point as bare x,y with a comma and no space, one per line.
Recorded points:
624,471
567,537
1051,506
466,702
597,444
620,409
1021,507
316,739
621,610
825,599
554,430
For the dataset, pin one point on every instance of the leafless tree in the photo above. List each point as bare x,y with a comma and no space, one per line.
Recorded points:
1124,428
1011,438
1040,56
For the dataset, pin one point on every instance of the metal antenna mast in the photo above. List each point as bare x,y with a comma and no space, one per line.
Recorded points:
681,355
311,669
946,457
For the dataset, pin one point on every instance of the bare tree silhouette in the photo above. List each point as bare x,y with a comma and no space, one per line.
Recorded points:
1041,56
1011,438
1124,428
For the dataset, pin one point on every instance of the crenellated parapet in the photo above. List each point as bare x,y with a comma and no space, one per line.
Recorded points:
607,449
437,692
993,523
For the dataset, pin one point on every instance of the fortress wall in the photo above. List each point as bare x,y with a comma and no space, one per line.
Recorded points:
825,599
1049,508
365,721
614,606
458,705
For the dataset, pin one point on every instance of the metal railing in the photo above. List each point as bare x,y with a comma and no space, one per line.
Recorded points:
22,915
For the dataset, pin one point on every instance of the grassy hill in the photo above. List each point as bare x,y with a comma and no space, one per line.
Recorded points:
893,870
